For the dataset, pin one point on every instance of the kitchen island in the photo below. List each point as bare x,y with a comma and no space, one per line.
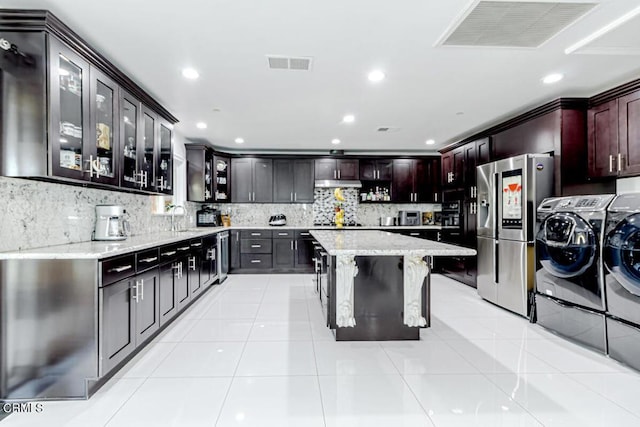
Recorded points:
375,284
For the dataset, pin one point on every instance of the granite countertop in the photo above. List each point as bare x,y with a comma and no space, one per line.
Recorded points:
106,249
370,242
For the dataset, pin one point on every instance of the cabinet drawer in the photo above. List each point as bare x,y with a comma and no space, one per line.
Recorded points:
147,259
303,234
196,244
115,269
283,234
168,253
255,234
255,246
183,248
261,261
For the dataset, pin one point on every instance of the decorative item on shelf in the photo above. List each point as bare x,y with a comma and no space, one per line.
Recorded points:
339,215
427,218
103,133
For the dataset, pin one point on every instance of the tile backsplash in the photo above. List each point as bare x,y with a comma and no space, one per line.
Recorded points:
324,205
36,214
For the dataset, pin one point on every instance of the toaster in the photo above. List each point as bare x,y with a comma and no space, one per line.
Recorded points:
279,219
409,218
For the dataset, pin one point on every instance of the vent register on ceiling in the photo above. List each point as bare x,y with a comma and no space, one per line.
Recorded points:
513,23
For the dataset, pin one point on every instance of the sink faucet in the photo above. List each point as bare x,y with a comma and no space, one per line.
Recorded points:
174,208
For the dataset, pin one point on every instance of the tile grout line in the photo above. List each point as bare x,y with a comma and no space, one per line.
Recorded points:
315,360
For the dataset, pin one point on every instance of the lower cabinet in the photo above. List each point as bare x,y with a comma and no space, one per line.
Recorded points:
273,250
129,316
182,283
208,261
168,300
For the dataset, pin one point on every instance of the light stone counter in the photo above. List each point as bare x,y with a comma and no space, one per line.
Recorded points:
351,246
376,242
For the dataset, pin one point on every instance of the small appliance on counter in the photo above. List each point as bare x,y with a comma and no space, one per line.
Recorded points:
110,223
279,219
387,220
409,218
208,217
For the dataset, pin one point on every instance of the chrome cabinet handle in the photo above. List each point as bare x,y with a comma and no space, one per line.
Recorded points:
184,248
256,234
142,289
610,163
249,195
192,263
304,234
134,296
292,196
295,197
255,261
335,174
291,243
620,158
150,259
435,196
196,245
338,173
170,253
161,187
119,269
256,246
283,234
296,245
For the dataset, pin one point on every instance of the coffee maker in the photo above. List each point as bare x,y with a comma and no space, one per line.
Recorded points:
110,223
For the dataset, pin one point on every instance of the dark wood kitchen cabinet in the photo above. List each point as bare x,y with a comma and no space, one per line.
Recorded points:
293,180
376,169
147,311
200,174
72,98
453,169
415,180
164,165
614,137
283,253
602,131
252,180
629,133
118,322
347,169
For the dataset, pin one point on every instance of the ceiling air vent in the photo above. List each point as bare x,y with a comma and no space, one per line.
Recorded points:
387,129
513,23
289,63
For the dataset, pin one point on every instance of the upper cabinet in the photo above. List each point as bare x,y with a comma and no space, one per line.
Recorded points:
208,175
376,170
337,169
453,168
251,180
98,126
614,137
415,180
293,180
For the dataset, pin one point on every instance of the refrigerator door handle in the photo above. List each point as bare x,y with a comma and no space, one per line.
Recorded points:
496,262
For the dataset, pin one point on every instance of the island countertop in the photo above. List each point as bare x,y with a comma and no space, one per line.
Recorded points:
373,242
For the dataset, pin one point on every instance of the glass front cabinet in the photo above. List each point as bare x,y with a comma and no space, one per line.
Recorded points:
72,116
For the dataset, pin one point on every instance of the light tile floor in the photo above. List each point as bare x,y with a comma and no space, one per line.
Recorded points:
255,352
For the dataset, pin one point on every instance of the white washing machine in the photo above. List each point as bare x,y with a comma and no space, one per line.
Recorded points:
622,279
570,298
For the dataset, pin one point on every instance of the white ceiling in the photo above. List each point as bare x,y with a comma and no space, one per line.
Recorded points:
426,89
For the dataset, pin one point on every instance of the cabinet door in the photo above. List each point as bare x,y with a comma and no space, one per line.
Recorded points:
458,167
283,181
483,151
149,153
402,190
104,115
209,265
303,181
325,169
422,183
241,180
629,133
183,294
447,168
69,132
234,254
221,183
304,253
164,168
368,170
198,174
434,180
263,180
118,323
283,253
194,265
602,127
168,307
147,308
129,148
348,168
385,169
469,172
470,208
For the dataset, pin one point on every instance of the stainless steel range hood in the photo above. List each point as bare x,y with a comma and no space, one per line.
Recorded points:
333,183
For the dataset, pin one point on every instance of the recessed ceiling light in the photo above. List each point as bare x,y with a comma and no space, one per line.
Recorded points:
349,118
376,76
239,141
429,142
201,125
190,73
552,78
335,141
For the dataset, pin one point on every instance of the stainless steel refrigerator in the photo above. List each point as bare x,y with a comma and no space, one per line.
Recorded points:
509,192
